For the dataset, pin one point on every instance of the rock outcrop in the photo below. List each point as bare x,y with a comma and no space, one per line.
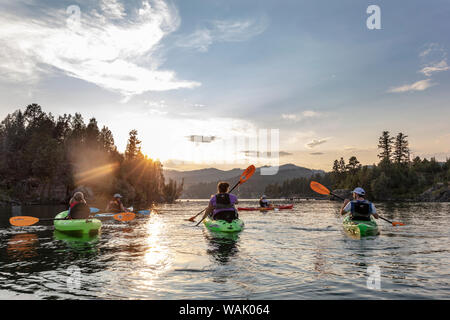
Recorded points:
440,192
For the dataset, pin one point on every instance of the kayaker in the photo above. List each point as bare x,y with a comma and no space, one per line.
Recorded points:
78,209
116,205
359,208
222,205
263,202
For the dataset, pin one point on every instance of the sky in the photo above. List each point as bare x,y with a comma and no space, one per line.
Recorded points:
206,82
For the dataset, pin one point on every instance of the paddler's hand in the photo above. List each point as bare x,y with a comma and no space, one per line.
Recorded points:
346,201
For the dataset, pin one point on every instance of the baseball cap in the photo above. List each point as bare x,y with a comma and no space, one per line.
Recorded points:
359,191
117,195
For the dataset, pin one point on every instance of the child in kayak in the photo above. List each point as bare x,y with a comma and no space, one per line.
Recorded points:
222,205
263,202
78,209
115,205
359,208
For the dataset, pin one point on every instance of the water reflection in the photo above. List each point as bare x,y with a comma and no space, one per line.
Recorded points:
80,243
22,246
222,245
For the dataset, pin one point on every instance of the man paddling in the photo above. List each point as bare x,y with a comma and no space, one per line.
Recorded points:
222,205
359,208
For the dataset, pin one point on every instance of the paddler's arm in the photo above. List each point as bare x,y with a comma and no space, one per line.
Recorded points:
374,211
346,201
208,210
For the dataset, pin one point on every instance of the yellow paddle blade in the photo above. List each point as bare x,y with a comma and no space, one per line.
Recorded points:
124,216
317,187
23,221
247,174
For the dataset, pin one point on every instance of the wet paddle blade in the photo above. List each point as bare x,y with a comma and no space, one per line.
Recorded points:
124,216
395,223
247,174
23,221
319,188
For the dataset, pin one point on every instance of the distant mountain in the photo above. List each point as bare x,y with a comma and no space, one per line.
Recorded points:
200,184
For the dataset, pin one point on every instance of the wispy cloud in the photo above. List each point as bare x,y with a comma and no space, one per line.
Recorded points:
316,153
223,31
436,67
104,49
315,142
416,86
113,8
301,116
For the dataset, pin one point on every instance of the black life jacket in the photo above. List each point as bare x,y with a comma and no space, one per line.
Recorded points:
223,201
361,209
224,209
79,211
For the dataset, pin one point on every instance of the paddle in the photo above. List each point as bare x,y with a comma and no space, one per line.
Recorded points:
321,189
243,178
24,221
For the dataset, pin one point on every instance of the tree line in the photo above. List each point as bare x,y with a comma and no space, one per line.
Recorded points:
44,158
395,177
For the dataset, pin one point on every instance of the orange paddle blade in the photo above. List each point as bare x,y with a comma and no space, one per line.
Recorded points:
124,216
23,221
317,187
247,174
394,223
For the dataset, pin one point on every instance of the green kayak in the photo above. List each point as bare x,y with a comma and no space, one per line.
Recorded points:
358,228
223,226
76,225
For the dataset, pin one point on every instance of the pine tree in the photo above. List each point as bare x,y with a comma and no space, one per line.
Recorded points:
133,146
401,149
385,144
353,164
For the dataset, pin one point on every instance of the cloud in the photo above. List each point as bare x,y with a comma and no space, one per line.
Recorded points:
416,86
316,153
301,116
113,8
437,67
100,48
223,31
315,142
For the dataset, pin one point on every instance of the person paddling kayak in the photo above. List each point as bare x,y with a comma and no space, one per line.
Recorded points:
359,208
222,205
263,202
78,209
116,205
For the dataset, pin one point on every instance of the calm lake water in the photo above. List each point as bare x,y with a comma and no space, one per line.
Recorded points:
292,254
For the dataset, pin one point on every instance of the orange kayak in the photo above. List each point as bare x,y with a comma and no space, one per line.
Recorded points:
288,206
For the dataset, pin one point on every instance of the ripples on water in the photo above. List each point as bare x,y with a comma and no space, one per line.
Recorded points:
289,254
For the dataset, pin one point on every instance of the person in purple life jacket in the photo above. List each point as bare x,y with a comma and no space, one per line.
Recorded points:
222,205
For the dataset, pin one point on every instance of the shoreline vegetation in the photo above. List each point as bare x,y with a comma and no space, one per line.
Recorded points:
44,159
395,178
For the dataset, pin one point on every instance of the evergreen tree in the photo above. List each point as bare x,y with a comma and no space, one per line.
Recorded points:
133,147
401,149
385,144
